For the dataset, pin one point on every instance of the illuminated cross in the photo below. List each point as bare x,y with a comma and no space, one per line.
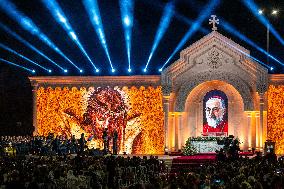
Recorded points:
214,21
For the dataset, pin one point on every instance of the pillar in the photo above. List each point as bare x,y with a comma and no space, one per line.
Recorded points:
166,106
261,108
34,91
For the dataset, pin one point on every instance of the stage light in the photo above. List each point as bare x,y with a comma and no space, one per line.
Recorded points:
19,38
194,27
260,11
81,71
65,71
126,9
97,70
27,24
271,68
13,64
164,24
254,9
161,69
60,17
49,71
145,70
20,55
274,12
129,70
93,11
112,70
228,27
126,21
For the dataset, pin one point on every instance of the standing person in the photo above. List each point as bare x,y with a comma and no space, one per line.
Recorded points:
106,141
82,143
114,140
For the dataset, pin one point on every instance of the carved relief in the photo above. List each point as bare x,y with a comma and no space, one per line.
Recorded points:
214,59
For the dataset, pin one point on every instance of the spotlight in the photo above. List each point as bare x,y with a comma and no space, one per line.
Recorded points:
129,70
49,71
19,38
65,71
194,27
81,71
164,24
271,68
97,70
93,11
260,11
12,63
145,70
161,69
60,17
228,27
33,71
112,70
26,23
126,9
274,12
126,21
250,4
20,55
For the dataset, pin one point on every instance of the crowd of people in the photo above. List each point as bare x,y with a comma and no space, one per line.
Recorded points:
55,162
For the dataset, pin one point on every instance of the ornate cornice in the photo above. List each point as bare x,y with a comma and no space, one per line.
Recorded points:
96,80
276,79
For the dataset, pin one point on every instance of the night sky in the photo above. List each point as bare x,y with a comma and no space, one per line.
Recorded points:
147,15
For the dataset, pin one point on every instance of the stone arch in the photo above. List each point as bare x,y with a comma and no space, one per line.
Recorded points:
193,111
241,86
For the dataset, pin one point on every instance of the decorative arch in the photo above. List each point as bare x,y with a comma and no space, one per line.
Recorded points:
241,86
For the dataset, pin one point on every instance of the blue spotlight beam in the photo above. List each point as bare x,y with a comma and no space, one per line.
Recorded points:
19,38
228,27
246,54
60,17
93,11
22,56
196,25
26,23
254,9
126,9
164,24
13,64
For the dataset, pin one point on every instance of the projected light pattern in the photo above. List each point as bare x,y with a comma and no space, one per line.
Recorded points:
93,11
14,64
27,24
164,24
22,56
126,9
195,26
60,17
254,9
235,32
19,38
135,113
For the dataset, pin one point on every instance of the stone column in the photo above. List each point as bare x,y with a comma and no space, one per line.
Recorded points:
261,104
166,106
34,90
180,133
249,130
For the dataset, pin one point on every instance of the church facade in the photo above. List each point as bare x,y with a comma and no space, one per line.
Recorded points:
212,63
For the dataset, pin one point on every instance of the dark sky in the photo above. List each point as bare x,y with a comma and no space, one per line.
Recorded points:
147,14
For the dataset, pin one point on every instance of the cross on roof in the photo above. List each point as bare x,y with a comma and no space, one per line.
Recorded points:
214,22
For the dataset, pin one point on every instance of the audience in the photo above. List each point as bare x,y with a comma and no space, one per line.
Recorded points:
56,162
